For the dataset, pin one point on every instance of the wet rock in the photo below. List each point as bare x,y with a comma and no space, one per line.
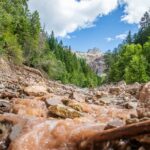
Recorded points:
8,94
77,96
140,113
73,104
147,114
144,95
15,132
144,140
38,133
144,119
29,107
131,105
133,115
132,120
5,129
37,113
143,113
5,106
64,111
36,90
114,124
2,86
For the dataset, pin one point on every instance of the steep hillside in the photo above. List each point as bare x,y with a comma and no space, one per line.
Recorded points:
40,114
24,41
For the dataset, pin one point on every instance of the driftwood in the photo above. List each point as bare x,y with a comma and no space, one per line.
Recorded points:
127,131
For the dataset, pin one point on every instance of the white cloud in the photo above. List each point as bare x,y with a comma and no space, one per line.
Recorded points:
121,36
117,37
68,37
134,10
66,16
109,39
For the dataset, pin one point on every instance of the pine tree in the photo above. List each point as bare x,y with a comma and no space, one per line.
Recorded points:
145,21
136,70
128,38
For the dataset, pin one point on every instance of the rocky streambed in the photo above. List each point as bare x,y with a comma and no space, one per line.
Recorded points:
38,114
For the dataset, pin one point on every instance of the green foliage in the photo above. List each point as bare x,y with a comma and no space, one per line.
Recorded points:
23,41
10,48
136,70
143,35
76,70
146,53
128,38
131,60
48,63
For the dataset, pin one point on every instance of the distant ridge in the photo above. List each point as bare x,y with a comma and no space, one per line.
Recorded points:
94,50
94,58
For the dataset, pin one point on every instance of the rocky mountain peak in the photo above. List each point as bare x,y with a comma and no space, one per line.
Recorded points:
94,51
94,58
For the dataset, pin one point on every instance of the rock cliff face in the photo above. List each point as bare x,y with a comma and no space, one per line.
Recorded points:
38,114
94,58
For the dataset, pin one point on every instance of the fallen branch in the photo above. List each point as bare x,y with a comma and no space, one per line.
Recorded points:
121,132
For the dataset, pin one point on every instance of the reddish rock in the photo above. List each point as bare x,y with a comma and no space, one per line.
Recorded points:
144,95
42,134
77,96
29,107
119,113
31,127
87,108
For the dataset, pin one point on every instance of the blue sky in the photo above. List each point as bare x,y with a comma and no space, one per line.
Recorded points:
86,24
106,27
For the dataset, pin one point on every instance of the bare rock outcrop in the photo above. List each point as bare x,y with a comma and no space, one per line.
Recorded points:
94,58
